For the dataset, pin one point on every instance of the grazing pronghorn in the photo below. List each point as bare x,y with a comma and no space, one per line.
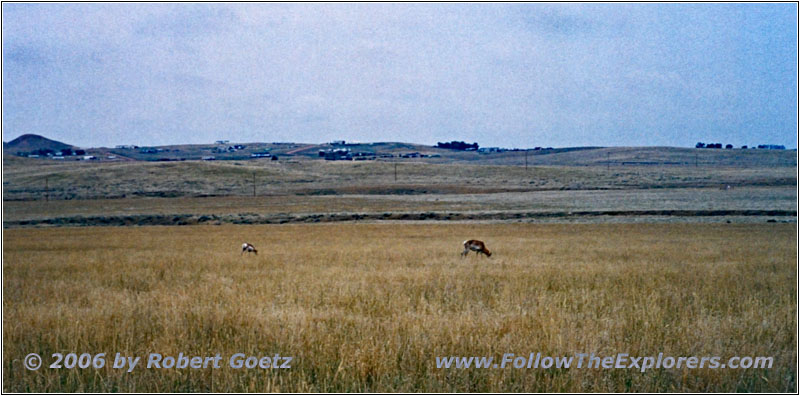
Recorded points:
246,247
477,246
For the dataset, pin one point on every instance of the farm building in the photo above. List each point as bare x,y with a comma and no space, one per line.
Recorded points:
338,155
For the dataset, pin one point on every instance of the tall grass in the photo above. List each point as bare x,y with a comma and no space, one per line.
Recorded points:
368,307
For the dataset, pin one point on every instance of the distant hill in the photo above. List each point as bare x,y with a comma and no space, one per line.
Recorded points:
30,142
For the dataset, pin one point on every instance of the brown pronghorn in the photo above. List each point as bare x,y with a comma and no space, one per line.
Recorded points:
246,247
477,246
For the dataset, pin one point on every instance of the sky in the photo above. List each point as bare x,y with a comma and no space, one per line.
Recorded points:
511,75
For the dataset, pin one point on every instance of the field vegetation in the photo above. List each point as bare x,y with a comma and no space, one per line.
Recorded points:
539,205
31,179
368,307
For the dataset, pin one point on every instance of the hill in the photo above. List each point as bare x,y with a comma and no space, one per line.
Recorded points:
30,142
411,152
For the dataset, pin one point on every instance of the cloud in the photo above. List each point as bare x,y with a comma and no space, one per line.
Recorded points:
190,20
500,74
25,56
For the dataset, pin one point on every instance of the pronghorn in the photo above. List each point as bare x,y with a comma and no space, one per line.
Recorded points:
246,247
477,246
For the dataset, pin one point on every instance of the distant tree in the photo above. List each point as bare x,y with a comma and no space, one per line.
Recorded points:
700,145
744,147
43,152
457,145
80,152
772,146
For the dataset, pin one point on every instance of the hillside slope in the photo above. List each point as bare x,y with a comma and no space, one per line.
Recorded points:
30,142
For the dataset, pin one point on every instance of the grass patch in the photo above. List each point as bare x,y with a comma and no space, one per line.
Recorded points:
369,307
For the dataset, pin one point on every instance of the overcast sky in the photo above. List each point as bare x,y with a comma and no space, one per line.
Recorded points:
510,75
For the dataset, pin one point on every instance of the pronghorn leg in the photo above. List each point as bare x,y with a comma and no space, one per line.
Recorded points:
464,253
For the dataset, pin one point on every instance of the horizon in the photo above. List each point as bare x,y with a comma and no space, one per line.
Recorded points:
379,142
503,75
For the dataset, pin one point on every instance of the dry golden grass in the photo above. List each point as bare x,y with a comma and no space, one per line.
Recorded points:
368,307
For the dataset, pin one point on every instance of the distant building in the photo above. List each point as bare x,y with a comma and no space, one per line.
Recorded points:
338,142
261,155
338,154
222,141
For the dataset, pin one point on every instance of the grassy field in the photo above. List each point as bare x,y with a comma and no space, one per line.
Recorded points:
29,179
745,198
41,192
368,307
